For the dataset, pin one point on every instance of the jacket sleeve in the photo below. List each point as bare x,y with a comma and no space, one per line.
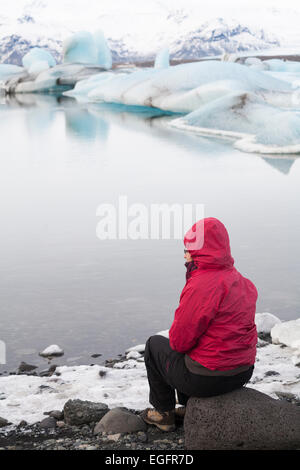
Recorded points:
197,307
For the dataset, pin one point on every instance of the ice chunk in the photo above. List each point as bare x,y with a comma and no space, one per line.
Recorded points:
287,333
81,48
256,64
252,61
161,87
38,67
37,54
164,333
56,79
256,125
162,59
53,350
265,322
140,348
83,87
87,48
7,70
103,51
278,65
133,355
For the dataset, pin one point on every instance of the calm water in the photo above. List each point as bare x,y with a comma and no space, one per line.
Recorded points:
61,284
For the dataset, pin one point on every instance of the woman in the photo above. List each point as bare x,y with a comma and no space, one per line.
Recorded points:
212,341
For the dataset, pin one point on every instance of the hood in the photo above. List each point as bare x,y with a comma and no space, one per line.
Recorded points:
208,243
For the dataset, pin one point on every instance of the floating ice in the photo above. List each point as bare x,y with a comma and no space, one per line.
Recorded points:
174,88
8,70
103,51
56,79
37,54
87,48
83,87
81,48
255,125
38,67
256,64
162,59
278,65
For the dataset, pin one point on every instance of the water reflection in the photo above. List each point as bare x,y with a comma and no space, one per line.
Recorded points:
90,121
283,165
81,124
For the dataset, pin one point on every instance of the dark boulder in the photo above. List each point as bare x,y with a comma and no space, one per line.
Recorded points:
78,412
243,419
120,420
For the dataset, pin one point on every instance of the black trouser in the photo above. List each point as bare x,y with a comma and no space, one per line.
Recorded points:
167,372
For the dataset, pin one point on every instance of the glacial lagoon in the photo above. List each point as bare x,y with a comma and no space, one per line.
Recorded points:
61,285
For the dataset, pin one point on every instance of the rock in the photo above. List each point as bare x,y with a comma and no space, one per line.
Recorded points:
120,420
22,424
114,437
60,424
52,351
243,419
56,414
270,373
24,368
77,412
48,423
290,397
3,422
48,372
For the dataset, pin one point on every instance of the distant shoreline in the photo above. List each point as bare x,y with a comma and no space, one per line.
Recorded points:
241,59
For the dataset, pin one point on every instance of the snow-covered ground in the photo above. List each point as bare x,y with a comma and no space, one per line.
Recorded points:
22,397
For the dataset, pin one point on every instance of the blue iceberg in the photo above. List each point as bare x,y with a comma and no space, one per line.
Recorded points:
35,55
162,59
87,48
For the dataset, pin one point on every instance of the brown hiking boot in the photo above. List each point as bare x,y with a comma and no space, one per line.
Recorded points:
164,420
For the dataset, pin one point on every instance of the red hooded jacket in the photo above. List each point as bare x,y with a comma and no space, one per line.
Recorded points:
214,323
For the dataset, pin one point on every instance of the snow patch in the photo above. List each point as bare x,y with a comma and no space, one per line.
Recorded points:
53,350
265,322
287,333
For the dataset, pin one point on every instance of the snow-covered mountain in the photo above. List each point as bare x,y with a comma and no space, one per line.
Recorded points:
136,30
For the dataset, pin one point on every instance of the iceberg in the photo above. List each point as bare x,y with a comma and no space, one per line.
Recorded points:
162,88
162,59
104,58
37,54
81,48
87,48
83,87
8,70
278,65
255,125
38,67
53,80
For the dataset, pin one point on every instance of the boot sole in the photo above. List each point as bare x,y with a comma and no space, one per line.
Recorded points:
162,427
